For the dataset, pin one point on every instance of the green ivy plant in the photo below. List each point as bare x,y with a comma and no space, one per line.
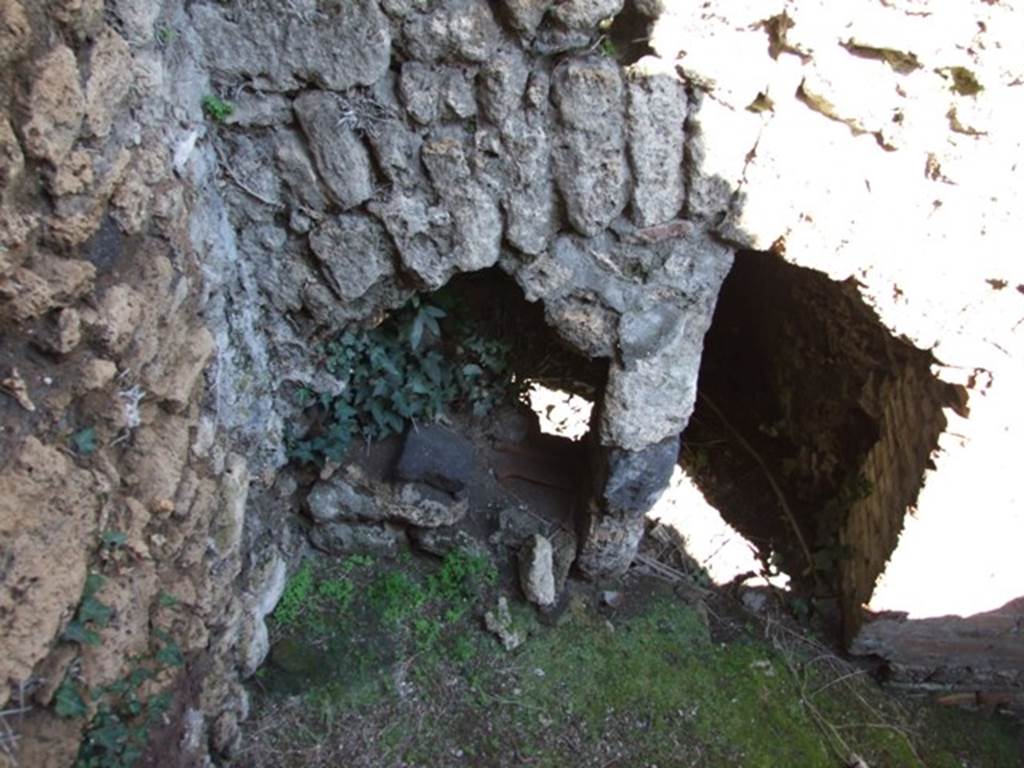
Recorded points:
91,616
118,733
403,371
216,108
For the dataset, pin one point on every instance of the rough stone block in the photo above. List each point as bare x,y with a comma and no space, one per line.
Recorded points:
341,158
437,456
355,250
591,170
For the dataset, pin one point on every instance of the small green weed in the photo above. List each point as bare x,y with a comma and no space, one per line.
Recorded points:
113,539
356,561
395,596
338,592
461,576
216,108
166,35
119,731
296,597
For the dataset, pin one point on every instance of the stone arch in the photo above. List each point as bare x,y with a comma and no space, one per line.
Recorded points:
479,149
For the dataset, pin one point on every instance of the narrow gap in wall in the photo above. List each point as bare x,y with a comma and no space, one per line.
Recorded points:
629,33
812,430
513,401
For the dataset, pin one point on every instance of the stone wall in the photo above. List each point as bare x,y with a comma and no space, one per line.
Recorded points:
463,136
164,274
910,419
105,469
380,151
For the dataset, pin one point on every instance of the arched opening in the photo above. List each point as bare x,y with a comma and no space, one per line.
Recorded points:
427,434
813,427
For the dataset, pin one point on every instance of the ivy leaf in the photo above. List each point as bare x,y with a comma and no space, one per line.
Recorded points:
170,655
79,633
92,610
93,583
84,441
432,367
431,323
69,702
113,539
416,332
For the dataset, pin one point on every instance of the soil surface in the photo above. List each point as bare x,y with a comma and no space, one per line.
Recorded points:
387,663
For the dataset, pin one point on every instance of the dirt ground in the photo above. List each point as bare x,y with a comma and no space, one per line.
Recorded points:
387,663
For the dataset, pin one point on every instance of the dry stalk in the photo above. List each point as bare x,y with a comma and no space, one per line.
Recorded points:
796,651
8,735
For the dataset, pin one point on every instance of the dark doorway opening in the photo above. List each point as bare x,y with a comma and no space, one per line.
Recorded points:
813,427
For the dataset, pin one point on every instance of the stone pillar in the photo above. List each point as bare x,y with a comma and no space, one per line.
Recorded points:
626,485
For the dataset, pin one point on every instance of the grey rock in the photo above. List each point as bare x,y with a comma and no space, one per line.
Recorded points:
628,484
563,545
552,39
394,148
524,15
572,24
464,29
420,88
295,169
609,543
634,480
286,48
252,160
651,391
423,234
356,252
584,322
499,622
536,571
515,525
754,600
585,14
425,507
652,9
458,94
586,284
591,170
475,215
299,222
538,89
340,156
260,110
503,84
656,116
529,199
399,9
347,497
646,332
265,584
612,598
345,538
436,456
440,541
